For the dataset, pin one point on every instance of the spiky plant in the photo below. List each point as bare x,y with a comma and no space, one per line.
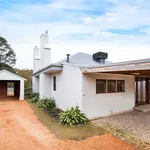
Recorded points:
73,116
34,98
46,103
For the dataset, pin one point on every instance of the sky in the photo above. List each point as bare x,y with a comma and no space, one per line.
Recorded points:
119,27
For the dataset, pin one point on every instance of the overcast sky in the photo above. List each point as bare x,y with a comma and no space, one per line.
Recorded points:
119,27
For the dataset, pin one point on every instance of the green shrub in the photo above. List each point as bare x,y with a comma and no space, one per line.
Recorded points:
28,92
34,98
50,103
46,103
34,95
41,103
73,117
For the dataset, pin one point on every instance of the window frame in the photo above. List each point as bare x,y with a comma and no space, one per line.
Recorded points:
54,83
105,81
124,86
115,86
106,86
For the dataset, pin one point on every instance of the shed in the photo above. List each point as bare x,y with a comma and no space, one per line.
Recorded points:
17,81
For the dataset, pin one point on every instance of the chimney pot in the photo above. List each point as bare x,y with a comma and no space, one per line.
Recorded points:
68,57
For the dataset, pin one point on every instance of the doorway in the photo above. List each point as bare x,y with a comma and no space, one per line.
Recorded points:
142,85
3,88
10,88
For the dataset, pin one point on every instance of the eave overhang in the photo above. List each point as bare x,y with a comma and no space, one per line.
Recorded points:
49,69
137,69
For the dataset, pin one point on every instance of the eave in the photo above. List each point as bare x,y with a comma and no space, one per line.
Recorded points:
51,67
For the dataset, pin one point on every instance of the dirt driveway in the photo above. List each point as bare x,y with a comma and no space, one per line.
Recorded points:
20,129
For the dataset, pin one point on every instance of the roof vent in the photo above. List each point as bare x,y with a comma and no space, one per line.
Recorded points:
68,55
100,57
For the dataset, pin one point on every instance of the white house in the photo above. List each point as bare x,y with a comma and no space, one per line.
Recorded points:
97,86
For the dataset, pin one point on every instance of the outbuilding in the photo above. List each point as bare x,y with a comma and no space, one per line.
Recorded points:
8,78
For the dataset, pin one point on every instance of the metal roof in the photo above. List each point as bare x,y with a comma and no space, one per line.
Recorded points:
76,60
82,60
11,75
135,65
121,63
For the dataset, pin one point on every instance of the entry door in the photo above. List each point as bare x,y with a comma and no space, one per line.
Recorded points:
142,91
3,88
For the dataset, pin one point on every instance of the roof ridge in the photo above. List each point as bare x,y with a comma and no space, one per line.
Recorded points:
72,56
4,70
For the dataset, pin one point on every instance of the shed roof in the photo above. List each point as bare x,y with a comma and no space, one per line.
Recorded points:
7,75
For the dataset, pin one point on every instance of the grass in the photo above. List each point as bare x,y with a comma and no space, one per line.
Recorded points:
65,132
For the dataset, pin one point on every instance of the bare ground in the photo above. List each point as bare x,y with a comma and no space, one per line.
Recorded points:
21,129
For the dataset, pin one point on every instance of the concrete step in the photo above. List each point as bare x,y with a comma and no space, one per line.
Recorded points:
143,108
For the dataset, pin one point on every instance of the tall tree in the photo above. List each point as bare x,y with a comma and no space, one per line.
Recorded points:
25,73
7,55
7,67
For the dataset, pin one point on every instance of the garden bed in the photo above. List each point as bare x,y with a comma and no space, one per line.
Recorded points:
51,120
54,113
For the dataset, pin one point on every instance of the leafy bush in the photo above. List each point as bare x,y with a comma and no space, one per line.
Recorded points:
28,92
46,103
34,95
73,117
41,103
50,103
34,98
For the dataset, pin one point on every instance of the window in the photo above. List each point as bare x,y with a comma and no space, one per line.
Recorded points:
111,86
100,86
120,86
54,83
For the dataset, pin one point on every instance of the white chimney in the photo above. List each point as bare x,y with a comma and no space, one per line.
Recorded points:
45,50
36,59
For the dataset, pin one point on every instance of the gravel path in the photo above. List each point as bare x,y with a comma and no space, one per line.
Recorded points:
134,121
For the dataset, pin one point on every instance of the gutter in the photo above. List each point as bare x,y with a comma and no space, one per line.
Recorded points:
47,67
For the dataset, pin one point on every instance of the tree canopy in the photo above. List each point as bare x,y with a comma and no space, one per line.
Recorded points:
25,73
8,60
7,67
7,55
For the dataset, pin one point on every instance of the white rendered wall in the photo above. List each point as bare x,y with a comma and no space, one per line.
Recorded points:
45,52
68,87
35,84
36,59
99,105
47,57
41,86
45,85
21,97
